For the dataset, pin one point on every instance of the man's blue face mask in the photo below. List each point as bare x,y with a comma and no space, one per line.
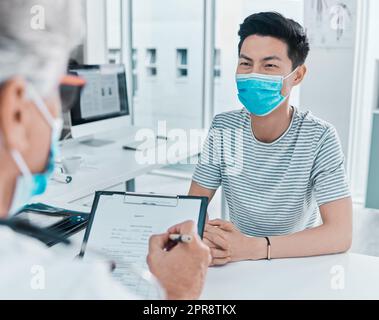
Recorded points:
261,94
28,184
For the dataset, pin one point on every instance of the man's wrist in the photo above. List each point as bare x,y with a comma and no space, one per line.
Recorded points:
258,248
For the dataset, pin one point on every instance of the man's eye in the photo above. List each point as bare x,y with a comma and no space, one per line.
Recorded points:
271,66
244,64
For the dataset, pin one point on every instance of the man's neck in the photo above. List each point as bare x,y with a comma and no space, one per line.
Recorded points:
270,128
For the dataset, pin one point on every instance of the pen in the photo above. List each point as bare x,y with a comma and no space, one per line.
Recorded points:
130,148
184,238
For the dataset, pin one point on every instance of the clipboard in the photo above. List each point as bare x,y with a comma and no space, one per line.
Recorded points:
145,201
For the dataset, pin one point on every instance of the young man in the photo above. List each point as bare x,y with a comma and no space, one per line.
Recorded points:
281,169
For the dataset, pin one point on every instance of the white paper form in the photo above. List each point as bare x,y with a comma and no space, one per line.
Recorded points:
122,230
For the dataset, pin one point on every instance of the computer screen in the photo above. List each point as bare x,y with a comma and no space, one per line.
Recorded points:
104,96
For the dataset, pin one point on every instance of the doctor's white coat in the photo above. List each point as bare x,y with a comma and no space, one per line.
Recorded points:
28,270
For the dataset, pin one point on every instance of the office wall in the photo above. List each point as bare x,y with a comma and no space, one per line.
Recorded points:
366,98
327,88
166,26
95,51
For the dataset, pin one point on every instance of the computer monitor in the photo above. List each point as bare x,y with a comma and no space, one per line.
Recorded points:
103,105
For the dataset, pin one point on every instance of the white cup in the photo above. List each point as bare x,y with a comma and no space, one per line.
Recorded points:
71,164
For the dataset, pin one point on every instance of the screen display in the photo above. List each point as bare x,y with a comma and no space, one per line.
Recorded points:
104,95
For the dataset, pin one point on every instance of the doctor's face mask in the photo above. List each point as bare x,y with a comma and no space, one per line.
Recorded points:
28,184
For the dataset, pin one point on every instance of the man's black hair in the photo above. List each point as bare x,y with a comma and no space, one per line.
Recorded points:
275,25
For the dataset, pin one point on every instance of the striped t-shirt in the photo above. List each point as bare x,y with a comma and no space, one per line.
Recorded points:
273,188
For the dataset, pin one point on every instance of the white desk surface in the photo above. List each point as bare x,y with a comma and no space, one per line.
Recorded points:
314,278
110,165
299,279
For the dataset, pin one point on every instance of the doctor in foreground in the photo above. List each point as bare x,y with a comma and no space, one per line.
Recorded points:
32,65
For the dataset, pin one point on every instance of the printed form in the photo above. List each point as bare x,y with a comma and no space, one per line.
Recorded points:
121,230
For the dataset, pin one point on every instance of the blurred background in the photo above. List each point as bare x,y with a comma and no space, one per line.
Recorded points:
181,57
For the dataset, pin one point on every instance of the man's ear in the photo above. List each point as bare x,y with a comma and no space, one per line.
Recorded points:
299,75
13,114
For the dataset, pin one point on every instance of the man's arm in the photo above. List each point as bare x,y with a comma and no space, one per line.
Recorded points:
333,236
198,191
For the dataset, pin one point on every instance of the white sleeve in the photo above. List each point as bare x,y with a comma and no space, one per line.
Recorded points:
95,282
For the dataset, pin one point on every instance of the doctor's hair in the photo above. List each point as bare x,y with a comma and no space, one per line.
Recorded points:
36,38
275,25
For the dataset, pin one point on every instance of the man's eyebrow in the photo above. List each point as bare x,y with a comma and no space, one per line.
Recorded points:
246,57
271,58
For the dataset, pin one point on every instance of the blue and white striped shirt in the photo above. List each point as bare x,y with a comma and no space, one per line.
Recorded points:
273,188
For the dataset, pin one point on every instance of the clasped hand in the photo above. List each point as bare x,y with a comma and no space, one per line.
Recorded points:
228,244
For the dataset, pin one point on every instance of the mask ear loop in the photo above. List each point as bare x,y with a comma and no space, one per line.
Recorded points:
285,78
17,158
55,124
21,164
41,105
292,73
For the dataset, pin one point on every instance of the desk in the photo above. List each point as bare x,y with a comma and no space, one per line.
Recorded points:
110,165
305,278
287,279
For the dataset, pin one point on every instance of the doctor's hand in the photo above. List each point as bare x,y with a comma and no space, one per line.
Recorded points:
182,269
228,244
